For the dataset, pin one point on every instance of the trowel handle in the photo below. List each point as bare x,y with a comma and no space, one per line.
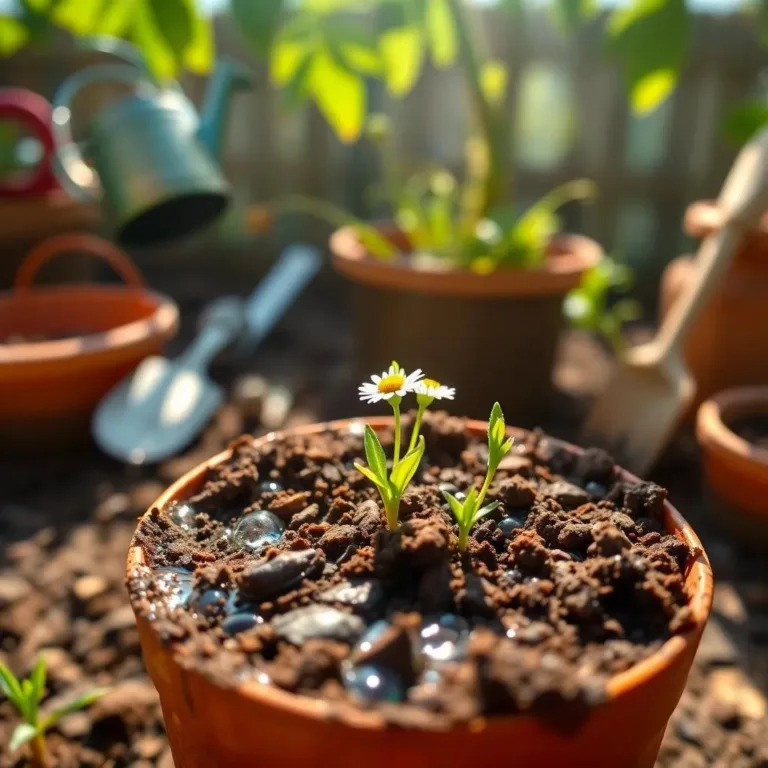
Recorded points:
224,323
743,200
297,265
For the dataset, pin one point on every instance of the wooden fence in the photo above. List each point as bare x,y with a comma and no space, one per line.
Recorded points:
568,117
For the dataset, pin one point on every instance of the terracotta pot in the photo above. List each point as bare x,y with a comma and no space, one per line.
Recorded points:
736,470
491,336
260,726
727,346
48,389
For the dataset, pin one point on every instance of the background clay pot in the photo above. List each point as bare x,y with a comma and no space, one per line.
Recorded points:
96,335
490,336
727,346
736,470
260,726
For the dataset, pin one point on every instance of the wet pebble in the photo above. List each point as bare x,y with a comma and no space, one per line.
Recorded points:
511,523
596,489
269,578
257,530
356,594
445,638
567,494
241,622
182,514
371,683
315,621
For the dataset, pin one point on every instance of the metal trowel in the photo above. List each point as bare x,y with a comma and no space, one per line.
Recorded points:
164,404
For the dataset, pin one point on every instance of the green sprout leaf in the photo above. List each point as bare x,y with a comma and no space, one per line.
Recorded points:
23,734
38,679
374,453
487,509
81,702
441,31
403,53
403,472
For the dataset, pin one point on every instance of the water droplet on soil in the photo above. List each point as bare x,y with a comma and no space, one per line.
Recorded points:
177,583
269,486
209,603
182,514
445,639
373,683
240,622
513,576
257,529
371,635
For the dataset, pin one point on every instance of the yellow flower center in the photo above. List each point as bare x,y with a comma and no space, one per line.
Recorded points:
391,383
430,383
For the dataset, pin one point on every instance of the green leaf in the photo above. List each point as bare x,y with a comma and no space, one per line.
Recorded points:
651,39
481,513
403,53
13,35
375,479
405,469
81,17
507,446
456,507
159,56
570,14
81,702
441,32
258,21
11,688
493,80
745,120
28,690
200,53
288,56
23,734
496,416
339,94
38,679
374,453
173,22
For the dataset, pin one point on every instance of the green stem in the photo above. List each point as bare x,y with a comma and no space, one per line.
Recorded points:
488,478
39,753
488,117
393,512
396,409
416,427
463,539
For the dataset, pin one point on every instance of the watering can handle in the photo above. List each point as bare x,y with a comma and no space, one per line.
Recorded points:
91,244
70,160
33,111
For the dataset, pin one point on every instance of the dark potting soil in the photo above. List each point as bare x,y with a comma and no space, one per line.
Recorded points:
752,428
280,569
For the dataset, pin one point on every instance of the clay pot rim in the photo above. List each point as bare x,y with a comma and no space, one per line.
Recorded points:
570,257
162,323
713,433
700,601
704,217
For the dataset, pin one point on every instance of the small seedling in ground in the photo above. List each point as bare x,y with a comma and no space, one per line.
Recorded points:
26,695
471,510
392,386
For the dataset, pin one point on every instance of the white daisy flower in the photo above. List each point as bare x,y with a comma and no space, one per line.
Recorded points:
391,383
434,390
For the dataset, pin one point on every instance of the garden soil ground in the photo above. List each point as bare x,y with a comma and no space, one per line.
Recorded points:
66,523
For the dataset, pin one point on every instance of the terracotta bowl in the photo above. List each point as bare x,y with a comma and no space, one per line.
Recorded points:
736,470
62,348
258,726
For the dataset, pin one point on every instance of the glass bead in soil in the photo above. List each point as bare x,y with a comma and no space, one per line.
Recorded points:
596,489
452,489
178,582
269,486
444,638
258,529
182,514
511,523
373,683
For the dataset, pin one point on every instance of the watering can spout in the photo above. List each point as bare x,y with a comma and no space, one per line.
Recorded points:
228,77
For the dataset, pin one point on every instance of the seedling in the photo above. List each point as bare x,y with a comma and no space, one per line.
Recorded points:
471,510
26,695
392,386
